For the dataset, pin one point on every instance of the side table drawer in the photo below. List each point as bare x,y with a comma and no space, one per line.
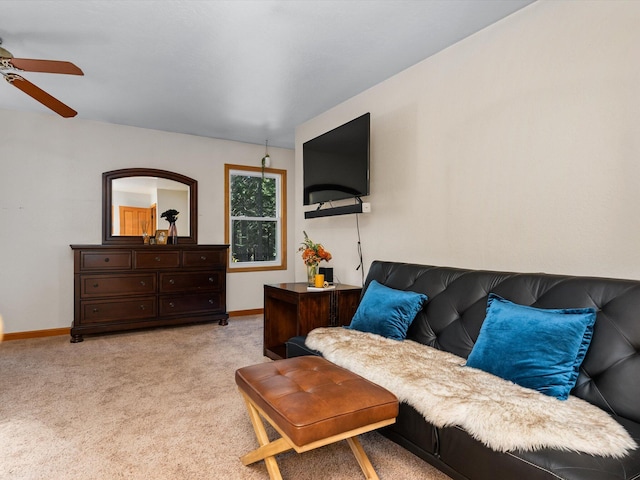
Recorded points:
190,281
92,260
156,258
204,258
117,310
116,285
191,303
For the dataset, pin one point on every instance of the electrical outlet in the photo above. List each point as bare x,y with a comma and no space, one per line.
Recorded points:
366,207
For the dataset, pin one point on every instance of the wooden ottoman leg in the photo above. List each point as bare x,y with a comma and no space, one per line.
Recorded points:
363,459
267,449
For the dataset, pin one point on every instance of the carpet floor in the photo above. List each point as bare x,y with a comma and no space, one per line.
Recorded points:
156,404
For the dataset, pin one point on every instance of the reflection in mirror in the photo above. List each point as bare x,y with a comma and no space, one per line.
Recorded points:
135,198
138,202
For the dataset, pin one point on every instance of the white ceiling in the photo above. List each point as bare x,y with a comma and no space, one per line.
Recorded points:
245,70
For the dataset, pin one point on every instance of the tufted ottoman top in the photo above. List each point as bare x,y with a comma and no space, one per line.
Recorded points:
310,398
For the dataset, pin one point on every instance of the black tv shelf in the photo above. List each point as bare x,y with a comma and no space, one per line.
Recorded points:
329,212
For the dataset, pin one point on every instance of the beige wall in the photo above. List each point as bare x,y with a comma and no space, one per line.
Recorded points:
516,149
51,197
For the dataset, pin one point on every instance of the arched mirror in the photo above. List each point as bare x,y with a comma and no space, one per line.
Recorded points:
133,200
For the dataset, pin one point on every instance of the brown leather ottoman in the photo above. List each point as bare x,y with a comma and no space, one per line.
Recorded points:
311,402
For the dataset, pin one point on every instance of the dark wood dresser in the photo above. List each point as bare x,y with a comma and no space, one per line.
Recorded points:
120,288
290,310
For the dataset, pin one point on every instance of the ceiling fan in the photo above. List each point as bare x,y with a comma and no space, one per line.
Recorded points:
8,62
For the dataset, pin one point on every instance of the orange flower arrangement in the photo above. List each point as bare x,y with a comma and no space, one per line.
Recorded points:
313,253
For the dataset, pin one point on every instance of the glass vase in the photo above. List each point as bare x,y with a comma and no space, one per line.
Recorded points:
311,274
173,234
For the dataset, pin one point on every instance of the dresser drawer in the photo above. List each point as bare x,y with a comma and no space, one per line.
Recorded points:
92,260
191,281
191,303
156,258
116,285
204,258
117,310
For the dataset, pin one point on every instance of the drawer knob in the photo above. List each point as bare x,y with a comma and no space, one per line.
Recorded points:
157,259
143,283
95,285
203,257
142,307
95,310
106,259
211,301
171,304
210,279
172,281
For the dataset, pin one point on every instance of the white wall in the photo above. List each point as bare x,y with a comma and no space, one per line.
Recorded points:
51,197
176,200
515,149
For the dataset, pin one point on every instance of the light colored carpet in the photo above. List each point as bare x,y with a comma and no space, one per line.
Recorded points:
156,404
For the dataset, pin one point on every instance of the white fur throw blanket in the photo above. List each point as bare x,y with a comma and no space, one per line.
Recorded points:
500,414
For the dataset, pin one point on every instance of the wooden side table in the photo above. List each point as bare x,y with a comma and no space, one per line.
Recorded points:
291,310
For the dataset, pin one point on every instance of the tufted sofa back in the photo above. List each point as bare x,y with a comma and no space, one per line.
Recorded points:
451,319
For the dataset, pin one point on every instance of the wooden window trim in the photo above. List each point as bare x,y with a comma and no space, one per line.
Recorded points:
283,216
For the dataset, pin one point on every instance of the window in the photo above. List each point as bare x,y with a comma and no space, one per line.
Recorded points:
255,218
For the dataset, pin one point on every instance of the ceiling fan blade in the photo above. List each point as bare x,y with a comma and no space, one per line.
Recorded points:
46,66
40,95
4,53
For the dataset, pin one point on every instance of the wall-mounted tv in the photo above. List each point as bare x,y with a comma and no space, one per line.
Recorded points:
336,163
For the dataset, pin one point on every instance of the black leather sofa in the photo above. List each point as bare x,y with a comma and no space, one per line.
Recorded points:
451,319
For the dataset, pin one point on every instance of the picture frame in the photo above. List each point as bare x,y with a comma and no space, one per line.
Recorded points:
161,237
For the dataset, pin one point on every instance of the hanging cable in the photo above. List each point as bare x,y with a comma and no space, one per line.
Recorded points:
361,265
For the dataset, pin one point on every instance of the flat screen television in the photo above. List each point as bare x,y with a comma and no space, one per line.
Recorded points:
336,163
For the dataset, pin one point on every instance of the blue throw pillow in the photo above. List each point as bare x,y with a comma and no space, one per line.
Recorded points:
386,311
536,348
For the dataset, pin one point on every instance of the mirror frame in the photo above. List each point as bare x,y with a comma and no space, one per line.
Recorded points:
107,196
